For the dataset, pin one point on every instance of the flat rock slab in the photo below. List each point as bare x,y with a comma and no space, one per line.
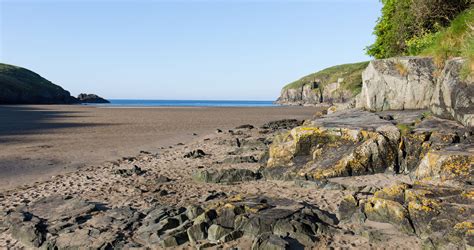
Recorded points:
351,119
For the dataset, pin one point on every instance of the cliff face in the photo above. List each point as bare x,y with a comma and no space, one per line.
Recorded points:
453,96
415,83
332,85
397,84
22,86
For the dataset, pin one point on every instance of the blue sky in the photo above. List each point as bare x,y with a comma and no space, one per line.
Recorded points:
240,50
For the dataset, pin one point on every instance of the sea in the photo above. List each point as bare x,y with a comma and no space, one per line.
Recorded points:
184,103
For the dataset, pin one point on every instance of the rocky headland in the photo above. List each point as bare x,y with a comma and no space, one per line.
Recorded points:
91,98
391,170
22,86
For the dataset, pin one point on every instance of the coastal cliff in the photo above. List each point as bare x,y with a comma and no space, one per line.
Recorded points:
332,85
408,83
22,86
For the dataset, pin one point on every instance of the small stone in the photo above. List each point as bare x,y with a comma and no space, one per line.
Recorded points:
162,179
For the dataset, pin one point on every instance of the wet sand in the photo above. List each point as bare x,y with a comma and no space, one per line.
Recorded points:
37,142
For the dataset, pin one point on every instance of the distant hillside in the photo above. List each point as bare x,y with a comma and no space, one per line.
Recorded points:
334,84
22,86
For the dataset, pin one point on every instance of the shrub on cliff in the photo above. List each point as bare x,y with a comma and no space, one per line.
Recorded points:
407,26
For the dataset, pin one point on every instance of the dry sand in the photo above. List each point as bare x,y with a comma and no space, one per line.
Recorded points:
38,141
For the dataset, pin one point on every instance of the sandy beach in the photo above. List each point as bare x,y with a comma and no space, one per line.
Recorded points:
39,141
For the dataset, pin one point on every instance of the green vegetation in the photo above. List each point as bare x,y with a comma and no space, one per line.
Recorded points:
405,129
17,78
453,41
19,85
352,74
407,27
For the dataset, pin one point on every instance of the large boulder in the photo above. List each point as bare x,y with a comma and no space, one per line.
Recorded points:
453,97
397,84
348,143
454,163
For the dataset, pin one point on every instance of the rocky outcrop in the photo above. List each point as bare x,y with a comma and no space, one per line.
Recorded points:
453,97
439,215
397,84
413,83
22,86
307,94
91,98
342,144
454,163
64,222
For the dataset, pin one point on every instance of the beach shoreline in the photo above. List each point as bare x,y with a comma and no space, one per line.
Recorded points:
40,141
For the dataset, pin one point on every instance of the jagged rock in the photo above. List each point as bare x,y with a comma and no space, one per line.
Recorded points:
441,215
240,159
347,207
193,211
282,124
206,217
199,153
158,222
215,232
26,228
234,235
91,98
453,163
245,126
214,195
60,222
269,241
129,172
397,84
174,240
225,176
343,144
197,232
453,97
388,211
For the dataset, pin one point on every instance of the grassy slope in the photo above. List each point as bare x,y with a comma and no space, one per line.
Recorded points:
17,81
17,78
352,74
454,41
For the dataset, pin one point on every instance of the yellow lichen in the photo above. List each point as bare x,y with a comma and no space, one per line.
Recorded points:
392,192
392,208
468,195
457,166
464,226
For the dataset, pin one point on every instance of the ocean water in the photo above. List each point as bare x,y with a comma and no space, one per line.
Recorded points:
184,103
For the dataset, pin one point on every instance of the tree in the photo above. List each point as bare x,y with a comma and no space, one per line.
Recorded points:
404,20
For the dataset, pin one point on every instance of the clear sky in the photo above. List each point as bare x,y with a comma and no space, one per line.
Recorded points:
217,50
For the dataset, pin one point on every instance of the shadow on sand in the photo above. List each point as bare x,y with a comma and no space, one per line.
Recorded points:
23,120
